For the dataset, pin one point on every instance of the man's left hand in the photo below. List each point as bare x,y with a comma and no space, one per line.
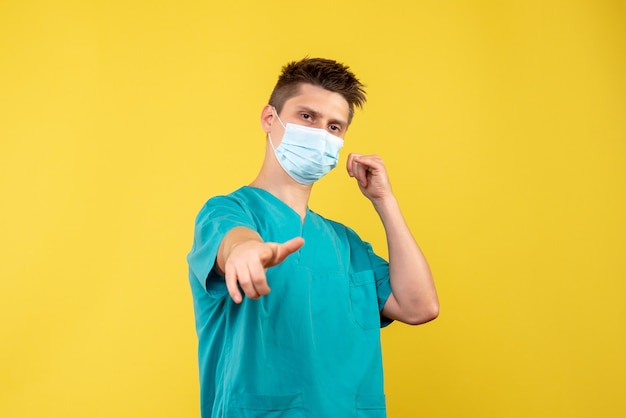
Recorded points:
371,174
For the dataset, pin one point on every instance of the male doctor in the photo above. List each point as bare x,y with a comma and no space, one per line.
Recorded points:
289,304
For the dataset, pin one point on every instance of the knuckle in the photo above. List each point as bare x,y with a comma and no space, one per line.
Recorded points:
258,281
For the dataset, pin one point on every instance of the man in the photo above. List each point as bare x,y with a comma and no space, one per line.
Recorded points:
288,304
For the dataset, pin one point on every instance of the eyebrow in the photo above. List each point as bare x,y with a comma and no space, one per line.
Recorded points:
316,114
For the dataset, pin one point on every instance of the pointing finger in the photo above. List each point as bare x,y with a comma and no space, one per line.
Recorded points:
283,250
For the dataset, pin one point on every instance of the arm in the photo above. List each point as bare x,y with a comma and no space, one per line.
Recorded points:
243,258
413,298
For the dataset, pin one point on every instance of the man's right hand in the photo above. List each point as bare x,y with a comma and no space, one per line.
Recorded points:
244,258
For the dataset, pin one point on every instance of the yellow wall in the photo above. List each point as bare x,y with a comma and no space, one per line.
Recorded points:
502,124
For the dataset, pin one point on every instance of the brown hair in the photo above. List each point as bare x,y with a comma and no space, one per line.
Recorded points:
325,73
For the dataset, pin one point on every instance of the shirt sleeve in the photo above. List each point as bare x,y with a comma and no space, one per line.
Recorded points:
216,218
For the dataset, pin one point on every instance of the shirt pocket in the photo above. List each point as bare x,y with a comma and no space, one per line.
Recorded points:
266,406
371,406
363,299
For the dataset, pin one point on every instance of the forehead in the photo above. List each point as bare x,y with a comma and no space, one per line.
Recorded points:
325,102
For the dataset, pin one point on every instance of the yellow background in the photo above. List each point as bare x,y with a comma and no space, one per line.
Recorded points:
503,128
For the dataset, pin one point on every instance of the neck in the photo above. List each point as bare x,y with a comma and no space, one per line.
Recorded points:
273,179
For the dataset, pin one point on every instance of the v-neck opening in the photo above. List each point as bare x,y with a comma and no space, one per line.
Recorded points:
285,205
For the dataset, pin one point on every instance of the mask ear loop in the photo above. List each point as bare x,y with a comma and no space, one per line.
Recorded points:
271,143
278,117
269,136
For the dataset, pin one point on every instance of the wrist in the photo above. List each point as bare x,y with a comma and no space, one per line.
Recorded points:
385,204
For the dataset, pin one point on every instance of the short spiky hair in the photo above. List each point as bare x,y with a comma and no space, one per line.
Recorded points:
325,73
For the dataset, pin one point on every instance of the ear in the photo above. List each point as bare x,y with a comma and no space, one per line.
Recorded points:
267,118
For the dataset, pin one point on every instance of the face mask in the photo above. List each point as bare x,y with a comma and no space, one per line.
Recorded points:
307,154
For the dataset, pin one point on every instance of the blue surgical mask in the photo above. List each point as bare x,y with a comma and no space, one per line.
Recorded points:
307,154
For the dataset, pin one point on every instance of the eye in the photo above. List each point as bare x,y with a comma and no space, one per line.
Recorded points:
335,128
306,116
